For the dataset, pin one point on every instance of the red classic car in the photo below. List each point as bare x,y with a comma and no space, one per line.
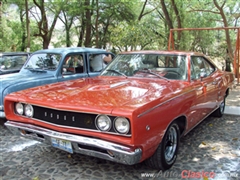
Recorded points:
135,110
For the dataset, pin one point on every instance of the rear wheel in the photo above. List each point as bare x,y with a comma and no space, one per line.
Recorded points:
166,153
220,110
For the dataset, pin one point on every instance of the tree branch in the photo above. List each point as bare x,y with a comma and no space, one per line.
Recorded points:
204,10
142,11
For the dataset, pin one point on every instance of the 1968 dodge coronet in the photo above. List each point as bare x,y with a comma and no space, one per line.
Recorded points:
136,110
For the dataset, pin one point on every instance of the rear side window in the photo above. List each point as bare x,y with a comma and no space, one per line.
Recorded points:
200,65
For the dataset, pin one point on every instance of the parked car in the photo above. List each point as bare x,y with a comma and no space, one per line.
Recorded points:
135,110
50,66
12,62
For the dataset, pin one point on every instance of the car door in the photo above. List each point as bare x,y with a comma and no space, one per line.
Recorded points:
210,84
204,87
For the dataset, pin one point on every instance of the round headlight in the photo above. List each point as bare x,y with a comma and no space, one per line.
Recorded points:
19,108
122,125
28,110
103,122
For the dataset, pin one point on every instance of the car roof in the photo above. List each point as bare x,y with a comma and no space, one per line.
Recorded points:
163,52
66,50
13,53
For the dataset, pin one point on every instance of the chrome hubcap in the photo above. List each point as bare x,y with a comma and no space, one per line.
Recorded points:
170,144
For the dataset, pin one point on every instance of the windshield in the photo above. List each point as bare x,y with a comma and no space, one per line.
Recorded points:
12,62
148,65
45,61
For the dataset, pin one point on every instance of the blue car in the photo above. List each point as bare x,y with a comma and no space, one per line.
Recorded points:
51,66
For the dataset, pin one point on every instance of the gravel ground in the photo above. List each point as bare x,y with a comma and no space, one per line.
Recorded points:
213,148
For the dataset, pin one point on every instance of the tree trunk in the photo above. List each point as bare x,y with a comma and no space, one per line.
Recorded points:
23,44
88,24
27,27
46,42
225,23
167,17
96,24
179,23
166,14
68,42
82,32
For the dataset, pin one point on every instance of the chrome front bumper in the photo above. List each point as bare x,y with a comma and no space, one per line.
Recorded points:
80,144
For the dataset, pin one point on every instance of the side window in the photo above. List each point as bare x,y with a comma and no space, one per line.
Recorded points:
209,68
200,65
197,66
99,61
47,61
73,64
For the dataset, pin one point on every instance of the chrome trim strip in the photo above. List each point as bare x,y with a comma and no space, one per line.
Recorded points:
113,151
68,127
151,109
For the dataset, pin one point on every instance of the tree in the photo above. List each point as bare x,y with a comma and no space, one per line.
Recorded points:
225,23
218,11
68,15
42,21
27,26
13,29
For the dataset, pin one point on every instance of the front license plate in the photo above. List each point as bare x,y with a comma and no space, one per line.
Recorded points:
62,144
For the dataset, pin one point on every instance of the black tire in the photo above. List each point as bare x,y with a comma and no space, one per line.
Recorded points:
220,110
166,153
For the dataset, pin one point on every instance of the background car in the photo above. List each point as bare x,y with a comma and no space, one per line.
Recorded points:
135,110
12,62
48,66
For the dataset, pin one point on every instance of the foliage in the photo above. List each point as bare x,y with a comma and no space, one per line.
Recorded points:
119,25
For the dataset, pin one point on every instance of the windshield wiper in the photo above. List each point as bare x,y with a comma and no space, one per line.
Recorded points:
117,72
153,73
35,69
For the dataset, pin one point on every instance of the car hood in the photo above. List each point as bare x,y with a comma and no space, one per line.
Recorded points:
100,94
18,78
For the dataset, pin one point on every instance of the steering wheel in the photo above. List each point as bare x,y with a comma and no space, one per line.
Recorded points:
169,72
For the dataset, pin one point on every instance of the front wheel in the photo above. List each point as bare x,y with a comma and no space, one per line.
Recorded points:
166,153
